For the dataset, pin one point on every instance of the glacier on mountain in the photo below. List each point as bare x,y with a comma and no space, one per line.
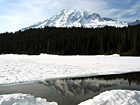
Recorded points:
77,18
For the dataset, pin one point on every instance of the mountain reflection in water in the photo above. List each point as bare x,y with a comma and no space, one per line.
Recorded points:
72,91
84,86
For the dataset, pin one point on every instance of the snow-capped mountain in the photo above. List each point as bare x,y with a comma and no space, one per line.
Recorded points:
77,18
134,23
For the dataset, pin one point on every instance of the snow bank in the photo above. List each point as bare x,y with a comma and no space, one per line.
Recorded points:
20,68
115,97
23,99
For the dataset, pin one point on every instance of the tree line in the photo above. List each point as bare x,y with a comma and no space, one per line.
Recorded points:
73,41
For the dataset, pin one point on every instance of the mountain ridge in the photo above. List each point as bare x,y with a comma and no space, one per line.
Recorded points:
77,18
134,23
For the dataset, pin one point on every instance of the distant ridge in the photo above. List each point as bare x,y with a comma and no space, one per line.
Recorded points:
134,23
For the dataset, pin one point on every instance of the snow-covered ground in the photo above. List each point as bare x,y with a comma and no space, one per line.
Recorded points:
115,97
23,99
20,68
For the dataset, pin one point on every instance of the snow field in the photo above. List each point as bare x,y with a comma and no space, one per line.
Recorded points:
21,68
115,97
23,99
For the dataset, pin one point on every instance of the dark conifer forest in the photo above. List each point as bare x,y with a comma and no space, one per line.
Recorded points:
73,41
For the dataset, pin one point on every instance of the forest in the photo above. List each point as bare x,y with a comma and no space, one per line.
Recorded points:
73,41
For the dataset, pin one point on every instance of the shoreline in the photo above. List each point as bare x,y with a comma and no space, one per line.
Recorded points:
72,91
67,78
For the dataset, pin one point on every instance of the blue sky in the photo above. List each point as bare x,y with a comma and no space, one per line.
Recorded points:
16,14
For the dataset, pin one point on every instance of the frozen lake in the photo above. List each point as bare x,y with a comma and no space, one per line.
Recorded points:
73,91
24,68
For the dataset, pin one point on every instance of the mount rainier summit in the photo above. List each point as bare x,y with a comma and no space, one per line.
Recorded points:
77,18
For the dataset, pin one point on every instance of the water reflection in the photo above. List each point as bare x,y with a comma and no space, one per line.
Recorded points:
84,86
75,90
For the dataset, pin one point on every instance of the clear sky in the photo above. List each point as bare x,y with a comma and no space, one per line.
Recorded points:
17,14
